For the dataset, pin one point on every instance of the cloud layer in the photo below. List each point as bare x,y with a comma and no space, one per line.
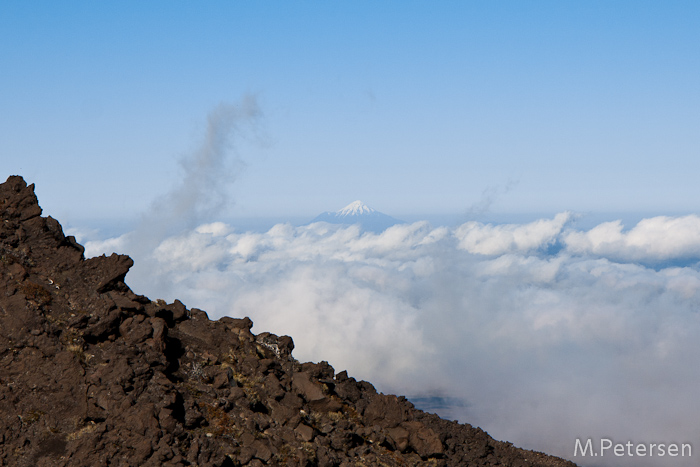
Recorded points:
545,333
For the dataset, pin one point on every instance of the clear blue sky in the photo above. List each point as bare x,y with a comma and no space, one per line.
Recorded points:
413,107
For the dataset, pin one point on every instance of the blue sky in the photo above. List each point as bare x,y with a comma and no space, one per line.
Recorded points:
413,107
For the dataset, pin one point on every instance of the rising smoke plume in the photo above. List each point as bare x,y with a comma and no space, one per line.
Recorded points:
203,190
207,173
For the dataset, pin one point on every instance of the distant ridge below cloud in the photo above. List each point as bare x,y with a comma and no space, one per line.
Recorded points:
359,213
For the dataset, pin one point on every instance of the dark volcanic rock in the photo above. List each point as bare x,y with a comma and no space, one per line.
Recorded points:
93,374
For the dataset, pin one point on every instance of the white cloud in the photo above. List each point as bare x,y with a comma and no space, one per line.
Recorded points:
107,246
496,240
544,345
216,229
656,239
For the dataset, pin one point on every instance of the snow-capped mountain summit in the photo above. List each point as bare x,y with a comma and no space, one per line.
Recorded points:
356,208
359,213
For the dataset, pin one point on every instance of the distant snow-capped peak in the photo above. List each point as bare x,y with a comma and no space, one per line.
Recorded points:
358,213
355,208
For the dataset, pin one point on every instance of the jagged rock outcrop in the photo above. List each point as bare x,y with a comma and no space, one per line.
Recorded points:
93,374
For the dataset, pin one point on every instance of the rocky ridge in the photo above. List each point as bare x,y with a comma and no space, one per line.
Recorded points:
93,374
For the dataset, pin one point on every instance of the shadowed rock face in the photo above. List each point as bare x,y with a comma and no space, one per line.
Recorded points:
93,374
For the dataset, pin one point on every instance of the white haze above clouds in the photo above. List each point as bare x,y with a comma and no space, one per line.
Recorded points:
545,333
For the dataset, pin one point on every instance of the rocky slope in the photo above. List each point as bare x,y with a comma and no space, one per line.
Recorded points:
92,374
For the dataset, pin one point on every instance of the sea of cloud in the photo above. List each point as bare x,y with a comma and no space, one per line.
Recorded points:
540,333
